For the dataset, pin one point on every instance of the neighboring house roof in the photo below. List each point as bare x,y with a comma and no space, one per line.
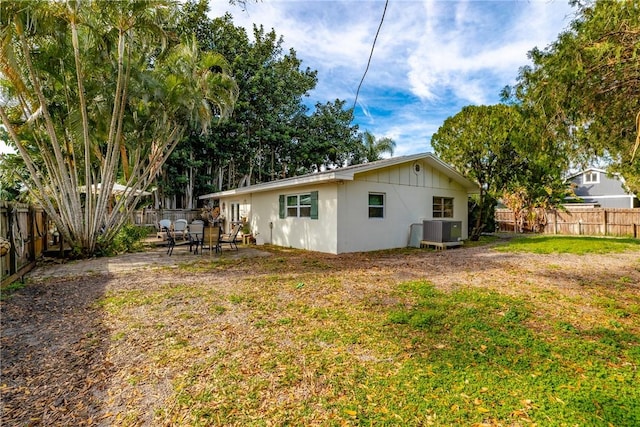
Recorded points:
582,172
347,174
614,176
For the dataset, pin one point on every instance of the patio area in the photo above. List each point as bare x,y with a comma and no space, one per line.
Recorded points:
154,257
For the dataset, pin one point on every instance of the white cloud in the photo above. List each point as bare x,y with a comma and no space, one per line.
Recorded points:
431,58
463,42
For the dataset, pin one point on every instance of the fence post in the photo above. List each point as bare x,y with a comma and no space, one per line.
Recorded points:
31,228
13,260
604,220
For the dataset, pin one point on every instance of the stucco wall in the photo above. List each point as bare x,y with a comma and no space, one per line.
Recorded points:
408,200
302,233
343,223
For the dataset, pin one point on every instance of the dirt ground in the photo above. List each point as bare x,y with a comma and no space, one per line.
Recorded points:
55,365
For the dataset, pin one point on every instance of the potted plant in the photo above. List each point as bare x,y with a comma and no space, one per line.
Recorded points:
246,232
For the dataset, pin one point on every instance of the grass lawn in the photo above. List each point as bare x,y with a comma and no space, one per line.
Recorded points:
297,338
545,244
305,349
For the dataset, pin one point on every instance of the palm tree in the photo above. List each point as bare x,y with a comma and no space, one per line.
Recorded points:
375,148
95,93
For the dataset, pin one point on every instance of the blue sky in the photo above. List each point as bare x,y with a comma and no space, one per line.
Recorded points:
431,57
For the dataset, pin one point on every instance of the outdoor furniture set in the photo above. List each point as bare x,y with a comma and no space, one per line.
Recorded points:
199,236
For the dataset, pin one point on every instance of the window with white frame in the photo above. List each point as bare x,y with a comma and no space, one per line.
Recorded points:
591,177
443,207
299,205
376,205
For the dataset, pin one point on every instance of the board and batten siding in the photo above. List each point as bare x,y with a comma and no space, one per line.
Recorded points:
343,223
408,200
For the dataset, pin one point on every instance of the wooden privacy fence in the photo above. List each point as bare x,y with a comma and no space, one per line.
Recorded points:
579,221
25,228
153,216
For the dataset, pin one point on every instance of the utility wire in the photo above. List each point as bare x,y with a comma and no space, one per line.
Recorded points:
386,3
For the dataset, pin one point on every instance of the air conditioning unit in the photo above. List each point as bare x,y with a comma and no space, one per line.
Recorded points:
441,231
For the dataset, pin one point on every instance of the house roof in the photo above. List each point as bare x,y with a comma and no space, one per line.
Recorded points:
612,175
582,172
347,174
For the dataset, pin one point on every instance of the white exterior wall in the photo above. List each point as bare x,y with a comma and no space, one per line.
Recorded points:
244,203
343,223
302,233
408,200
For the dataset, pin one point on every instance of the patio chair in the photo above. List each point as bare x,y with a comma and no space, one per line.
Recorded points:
171,242
180,228
211,238
171,238
230,239
195,235
163,226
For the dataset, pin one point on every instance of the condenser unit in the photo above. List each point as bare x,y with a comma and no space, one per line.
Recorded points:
439,231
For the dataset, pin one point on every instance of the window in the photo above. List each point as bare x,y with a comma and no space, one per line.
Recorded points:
443,207
303,205
376,205
299,205
591,177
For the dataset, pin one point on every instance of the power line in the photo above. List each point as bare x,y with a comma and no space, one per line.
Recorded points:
386,3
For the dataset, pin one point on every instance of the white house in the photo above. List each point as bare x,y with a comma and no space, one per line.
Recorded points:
596,186
352,209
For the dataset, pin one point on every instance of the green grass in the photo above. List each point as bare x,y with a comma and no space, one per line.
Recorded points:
325,346
7,290
486,362
569,245
483,240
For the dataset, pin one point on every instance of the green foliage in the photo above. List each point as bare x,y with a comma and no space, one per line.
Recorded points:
584,88
7,290
97,93
482,143
271,134
503,149
12,174
569,244
485,215
373,148
128,239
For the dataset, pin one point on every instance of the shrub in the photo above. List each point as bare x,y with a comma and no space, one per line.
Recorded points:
129,239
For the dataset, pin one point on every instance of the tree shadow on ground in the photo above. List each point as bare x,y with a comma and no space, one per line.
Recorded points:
54,344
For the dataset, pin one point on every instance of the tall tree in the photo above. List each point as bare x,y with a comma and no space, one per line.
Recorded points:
586,85
375,148
271,133
248,147
329,140
95,92
480,141
511,154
